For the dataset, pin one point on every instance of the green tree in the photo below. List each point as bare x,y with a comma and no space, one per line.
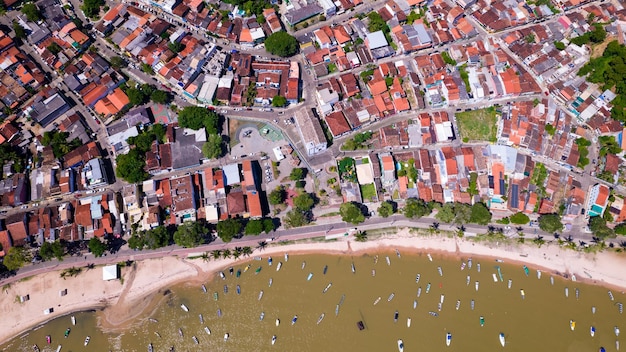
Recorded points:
136,242
49,250
279,101
16,258
228,229
157,237
130,166
160,97
175,47
277,196
268,225
519,218
550,223
597,225
386,209
196,117
118,62
91,8
20,32
559,45
620,229
190,234
59,142
351,212
296,174
135,96
296,218
147,69
97,247
480,214
281,44
32,12
54,48
303,202
254,227
213,147
446,213
416,208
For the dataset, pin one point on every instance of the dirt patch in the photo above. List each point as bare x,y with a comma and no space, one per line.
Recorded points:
598,50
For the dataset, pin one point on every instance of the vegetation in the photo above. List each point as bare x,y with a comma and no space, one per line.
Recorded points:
368,192
609,145
447,59
559,45
20,32
550,223
598,227
480,214
458,213
416,208
597,35
175,47
97,247
279,101
49,250
386,209
59,142
141,94
196,117
152,239
277,196
130,166
620,229
229,229
251,7
54,48
550,129
539,175
32,12
583,150
465,77
478,125
117,62
16,258
473,184
519,218
297,173
10,153
91,8
296,218
282,44
358,142
352,213
254,227
376,23
213,148
304,202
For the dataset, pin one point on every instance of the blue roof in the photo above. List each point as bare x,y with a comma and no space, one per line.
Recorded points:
514,196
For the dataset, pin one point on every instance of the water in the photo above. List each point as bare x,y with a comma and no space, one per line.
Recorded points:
540,322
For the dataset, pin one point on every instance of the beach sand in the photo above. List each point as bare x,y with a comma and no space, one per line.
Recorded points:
145,281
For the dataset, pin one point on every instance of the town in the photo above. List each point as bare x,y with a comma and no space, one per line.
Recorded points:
144,124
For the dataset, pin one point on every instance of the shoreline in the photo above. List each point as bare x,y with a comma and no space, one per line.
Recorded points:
146,282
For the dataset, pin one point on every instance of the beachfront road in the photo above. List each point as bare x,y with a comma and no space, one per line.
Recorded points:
332,227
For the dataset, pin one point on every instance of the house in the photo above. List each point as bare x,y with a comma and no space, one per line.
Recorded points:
388,176
311,133
337,123
94,174
183,199
112,103
597,199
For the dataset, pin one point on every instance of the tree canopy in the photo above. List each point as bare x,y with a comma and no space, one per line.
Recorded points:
480,214
304,202
282,44
386,209
154,238
296,218
229,229
416,208
97,247
49,250
297,173
59,142
32,12
352,213
16,258
190,234
130,166
458,213
519,218
196,117
254,227
213,147
277,196
279,101
597,225
550,223
91,8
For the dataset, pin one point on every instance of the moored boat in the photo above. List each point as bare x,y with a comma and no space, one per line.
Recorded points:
388,260
458,304
360,325
59,349
391,296
417,278
327,287
48,339
336,310
238,289
269,261
260,295
414,304
398,253
294,319
401,344
577,293
472,304
286,256
502,340
353,268
325,269
273,339
408,322
150,348
616,330
238,273
469,263
526,271
35,348
280,265
219,312
258,270
207,330
87,339
440,271
538,274
226,336
377,300
482,321
467,280
319,320
262,316
593,310
611,296
620,307
180,332
442,298
201,318
552,280
572,325
215,296
510,283
434,314
270,282
428,287
429,257
67,332
566,292
73,319
463,266
419,291
373,272
303,265
522,293
495,278
592,331
395,317
203,288
478,267
448,339
230,270
195,340
277,322
617,345
246,268
222,275
476,285
184,307
308,278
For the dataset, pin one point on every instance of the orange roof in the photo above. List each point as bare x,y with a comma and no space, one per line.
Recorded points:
451,167
245,36
377,86
119,98
380,104
497,171
341,35
79,37
254,204
401,104
387,163
113,12
95,94
322,37
603,196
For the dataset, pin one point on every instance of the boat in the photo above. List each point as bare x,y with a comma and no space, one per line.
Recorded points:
203,288
35,348
602,349
472,304
439,306
280,265
434,314
478,267
238,289
258,270
325,269
258,258
573,277
157,334
620,308
617,345
225,288
440,271
419,292
526,271
593,310
150,348
395,317
201,318
73,319
59,349
226,336
230,270
398,253
414,304
184,307
552,280
262,316
502,341
269,261
463,266
427,288
373,272
391,296
327,287
592,331
87,339
343,297
510,284
246,268
219,312
273,339
376,259
337,310
522,293
294,319
417,278
611,296
360,325
207,330
277,322
616,330
448,339
538,274
495,278
429,257
377,300
180,332
442,298
215,296
458,304
572,325
48,339
67,333
400,345
499,261
408,322
319,320
353,268
270,282
566,292
238,273
195,340
388,260
499,273
482,321
303,265
467,280
469,263
577,293
260,295
308,278
286,257
476,285
222,275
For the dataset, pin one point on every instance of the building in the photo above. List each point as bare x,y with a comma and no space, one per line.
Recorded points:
183,199
94,174
597,199
311,132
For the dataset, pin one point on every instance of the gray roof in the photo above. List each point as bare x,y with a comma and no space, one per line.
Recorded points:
376,40
303,13
231,174
186,151
48,110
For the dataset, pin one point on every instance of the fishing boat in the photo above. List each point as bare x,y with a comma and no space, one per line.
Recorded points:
184,307
73,319
319,320
150,348
463,266
203,288
400,345
215,296
391,296
602,349
343,297
572,325
308,278
499,261
377,300
427,288
469,263
417,278
440,271
262,316
373,272
277,322
414,304
238,273
577,292
157,334
286,257
499,273
442,298
201,318
510,284
522,293
67,333
258,270
258,258
419,292
360,325
458,304
593,310
472,304
269,261
476,285
395,317
260,295
620,308
238,289
616,330
273,339
566,292
280,265
538,274
526,271
478,267
398,253
611,296
225,288
35,348
226,336
482,321
303,265
467,280
207,330
219,312
502,341
327,287
325,269
573,277
59,349
376,259
195,340
49,339
592,331
495,278
552,280
439,306
230,270
180,332
408,322
434,314
617,345
388,260
353,268
429,257
87,339
270,282
246,268
294,319
448,339
222,275
337,310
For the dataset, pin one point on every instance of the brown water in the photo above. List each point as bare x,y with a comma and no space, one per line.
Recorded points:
539,322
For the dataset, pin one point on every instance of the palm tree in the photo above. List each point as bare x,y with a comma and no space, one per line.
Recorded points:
91,266
569,238
595,239
236,253
519,229
247,251
216,253
435,226
582,243
205,257
539,240
262,245
226,253
460,231
360,236
623,244
490,230
556,236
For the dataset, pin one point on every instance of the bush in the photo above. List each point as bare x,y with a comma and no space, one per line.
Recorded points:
281,44
519,218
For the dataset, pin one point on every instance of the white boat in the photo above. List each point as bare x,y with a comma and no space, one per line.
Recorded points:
195,340
270,282
429,257
467,281
277,321
502,341
388,260
573,277
203,288
458,304
226,336
510,283
611,296
419,291
262,316
472,304
222,275
308,278
427,288
439,306
303,265
592,331
327,287
373,272
441,298
566,292
476,285
478,267
184,307
260,295
616,330
414,304
469,263
377,300
398,253
273,339
572,325
201,318
495,278
391,296
269,261
448,339
280,265
522,293
408,322
593,310
417,278
538,274
353,268
294,319
286,257
552,280
59,349
440,271
73,319
336,310
577,293
319,320
401,344
207,330
87,339
617,345
463,266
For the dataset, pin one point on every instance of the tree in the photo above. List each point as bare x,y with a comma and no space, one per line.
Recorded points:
268,225
254,227
190,234
228,229
360,236
480,214
96,247
303,202
519,218
91,8
416,208
559,45
160,97
445,213
281,44
277,196
157,237
597,225
20,32
620,229
118,62
386,209
130,166
212,148
16,258
296,218
550,223
54,48
175,47
279,101
135,96
136,242
296,174
351,212
32,12
196,117
49,250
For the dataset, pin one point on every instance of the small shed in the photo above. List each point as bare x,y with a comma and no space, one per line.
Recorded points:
109,272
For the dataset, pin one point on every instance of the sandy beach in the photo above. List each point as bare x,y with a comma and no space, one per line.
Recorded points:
123,300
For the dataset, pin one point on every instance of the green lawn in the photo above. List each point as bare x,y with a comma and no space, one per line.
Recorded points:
477,125
368,192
